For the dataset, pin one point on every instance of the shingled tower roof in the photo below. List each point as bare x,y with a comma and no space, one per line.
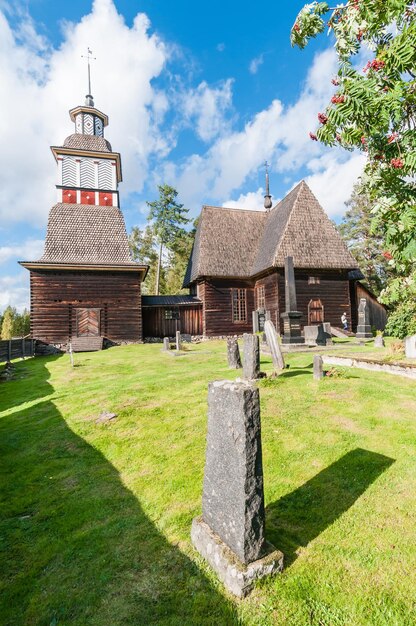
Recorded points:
86,227
241,243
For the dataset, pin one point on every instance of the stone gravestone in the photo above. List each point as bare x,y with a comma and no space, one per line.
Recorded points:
273,343
178,340
318,371
230,535
166,344
291,317
324,334
251,357
410,347
363,328
379,341
233,353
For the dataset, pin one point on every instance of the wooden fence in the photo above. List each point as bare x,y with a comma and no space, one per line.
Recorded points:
16,349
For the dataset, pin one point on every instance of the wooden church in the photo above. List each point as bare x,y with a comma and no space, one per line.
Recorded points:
237,265
85,286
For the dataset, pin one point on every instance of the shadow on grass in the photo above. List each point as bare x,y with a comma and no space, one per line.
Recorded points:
77,547
300,516
13,392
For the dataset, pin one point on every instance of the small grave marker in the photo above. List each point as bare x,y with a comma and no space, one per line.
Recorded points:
233,353
318,371
273,343
251,357
410,347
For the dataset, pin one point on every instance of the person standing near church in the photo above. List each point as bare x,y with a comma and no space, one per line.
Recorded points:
344,321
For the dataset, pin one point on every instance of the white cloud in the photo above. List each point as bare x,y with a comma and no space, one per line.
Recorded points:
280,135
206,106
333,184
253,200
30,250
128,59
229,161
255,64
14,291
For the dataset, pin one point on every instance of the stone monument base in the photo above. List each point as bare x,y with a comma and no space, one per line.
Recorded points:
237,577
364,332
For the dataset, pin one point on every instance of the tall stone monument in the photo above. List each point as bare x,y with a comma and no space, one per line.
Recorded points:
363,328
230,534
291,317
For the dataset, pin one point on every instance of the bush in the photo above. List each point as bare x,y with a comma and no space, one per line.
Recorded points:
402,322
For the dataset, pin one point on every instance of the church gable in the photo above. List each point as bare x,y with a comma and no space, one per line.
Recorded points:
310,237
238,243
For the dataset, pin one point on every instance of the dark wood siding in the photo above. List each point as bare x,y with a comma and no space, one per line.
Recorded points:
332,290
55,297
155,323
217,310
378,313
271,290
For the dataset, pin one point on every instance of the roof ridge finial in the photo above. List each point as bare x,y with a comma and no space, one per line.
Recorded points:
89,101
267,196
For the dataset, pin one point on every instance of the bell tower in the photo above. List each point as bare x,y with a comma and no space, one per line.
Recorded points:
88,170
86,288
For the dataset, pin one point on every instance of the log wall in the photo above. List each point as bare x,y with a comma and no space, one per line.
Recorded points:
55,296
332,290
378,313
271,290
217,313
155,323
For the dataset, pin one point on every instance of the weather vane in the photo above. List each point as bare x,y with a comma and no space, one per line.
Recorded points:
89,58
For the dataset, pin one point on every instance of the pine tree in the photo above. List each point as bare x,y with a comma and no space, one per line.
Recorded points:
167,217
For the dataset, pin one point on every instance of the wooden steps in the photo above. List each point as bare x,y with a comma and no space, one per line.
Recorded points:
337,332
86,344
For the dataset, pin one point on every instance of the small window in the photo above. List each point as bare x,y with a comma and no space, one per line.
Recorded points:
239,305
260,297
314,280
171,314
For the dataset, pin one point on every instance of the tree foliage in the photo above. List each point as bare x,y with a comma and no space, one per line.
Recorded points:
366,240
167,217
14,324
373,108
165,238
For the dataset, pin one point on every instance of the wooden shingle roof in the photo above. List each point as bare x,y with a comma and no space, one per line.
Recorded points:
87,142
86,234
242,243
225,243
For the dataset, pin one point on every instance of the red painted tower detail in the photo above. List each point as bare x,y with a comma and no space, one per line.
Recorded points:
85,286
88,170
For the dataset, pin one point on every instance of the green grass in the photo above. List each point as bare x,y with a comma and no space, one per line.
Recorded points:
95,518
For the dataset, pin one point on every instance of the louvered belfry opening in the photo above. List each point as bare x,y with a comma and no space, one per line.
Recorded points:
86,284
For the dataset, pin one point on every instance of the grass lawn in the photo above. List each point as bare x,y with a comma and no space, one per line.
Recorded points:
95,517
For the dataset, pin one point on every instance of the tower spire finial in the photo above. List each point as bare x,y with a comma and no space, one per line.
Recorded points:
267,196
88,98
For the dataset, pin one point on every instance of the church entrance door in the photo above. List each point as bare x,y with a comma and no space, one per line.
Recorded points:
88,322
315,312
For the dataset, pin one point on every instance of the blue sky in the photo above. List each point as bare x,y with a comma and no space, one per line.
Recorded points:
198,96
